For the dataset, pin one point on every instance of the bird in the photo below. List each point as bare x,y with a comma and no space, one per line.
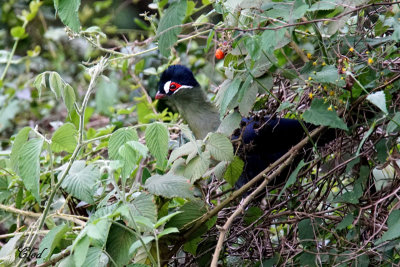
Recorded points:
264,138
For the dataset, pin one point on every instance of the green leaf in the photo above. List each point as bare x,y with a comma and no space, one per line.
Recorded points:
7,251
68,95
190,211
144,205
230,123
319,114
19,141
169,186
118,139
81,180
394,123
165,219
138,147
29,165
81,251
157,137
96,257
118,243
98,230
393,231
138,243
323,5
306,231
68,13
347,220
106,95
220,147
329,74
186,149
234,171
270,39
65,138
197,166
40,82
253,44
56,84
379,100
128,156
292,178
209,40
170,26
247,102
18,32
252,214
168,231
229,94
51,241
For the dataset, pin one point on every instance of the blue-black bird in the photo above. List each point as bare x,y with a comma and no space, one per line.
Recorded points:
265,139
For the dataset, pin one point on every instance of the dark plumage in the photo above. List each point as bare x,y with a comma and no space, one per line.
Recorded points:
264,140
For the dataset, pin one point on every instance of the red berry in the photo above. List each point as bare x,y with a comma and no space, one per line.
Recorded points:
219,54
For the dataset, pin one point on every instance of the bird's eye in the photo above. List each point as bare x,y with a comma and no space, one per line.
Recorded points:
174,86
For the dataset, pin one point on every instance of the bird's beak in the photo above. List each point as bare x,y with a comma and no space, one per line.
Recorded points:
160,95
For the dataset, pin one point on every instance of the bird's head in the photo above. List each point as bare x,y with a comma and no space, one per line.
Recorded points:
174,79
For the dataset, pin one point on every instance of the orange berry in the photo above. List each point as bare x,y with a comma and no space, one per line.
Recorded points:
219,54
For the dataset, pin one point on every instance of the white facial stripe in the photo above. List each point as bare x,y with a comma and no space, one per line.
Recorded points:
183,87
166,87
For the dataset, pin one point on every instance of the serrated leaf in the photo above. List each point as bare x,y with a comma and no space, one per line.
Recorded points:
19,141
169,26
169,185
220,147
68,95
249,97
56,84
197,166
51,241
157,137
234,170
379,100
81,180
168,231
319,114
29,166
68,13
118,139
65,138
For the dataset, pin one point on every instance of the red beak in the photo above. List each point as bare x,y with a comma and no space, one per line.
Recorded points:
159,95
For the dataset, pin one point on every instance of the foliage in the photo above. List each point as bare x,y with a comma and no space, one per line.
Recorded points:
109,177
